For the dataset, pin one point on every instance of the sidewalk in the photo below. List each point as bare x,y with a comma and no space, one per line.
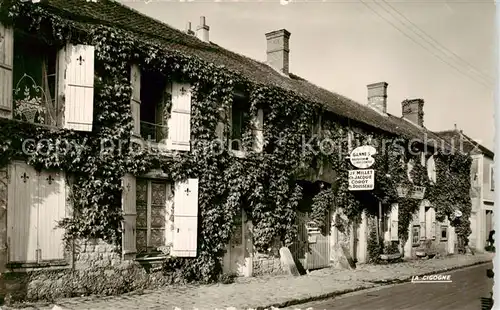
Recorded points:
264,292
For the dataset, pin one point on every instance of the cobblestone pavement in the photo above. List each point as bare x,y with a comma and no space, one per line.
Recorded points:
260,292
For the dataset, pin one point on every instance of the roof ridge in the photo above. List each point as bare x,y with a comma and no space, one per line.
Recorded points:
476,144
148,17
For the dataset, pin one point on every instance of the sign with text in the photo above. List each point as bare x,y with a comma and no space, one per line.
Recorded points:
418,192
361,157
361,180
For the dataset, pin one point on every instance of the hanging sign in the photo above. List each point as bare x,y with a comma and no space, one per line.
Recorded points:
361,180
361,157
418,192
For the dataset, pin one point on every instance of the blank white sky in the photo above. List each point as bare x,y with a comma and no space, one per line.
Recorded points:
343,46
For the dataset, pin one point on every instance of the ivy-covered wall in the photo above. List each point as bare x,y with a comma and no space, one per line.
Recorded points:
264,184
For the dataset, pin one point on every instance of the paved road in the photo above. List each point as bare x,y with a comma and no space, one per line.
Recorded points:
465,292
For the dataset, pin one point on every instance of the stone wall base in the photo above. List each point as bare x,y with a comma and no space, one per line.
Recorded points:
94,268
54,284
267,265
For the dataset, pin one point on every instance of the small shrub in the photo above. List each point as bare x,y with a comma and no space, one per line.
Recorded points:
391,247
228,278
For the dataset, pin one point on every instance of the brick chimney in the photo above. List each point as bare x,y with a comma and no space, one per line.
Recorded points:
413,110
278,50
202,30
377,96
188,29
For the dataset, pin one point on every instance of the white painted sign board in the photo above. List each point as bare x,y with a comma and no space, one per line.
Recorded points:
361,180
361,157
418,192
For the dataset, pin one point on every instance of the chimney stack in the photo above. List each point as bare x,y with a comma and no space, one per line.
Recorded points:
202,30
188,29
377,96
413,110
278,50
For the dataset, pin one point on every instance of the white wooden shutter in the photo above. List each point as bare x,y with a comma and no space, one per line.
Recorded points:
428,223
51,209
22,213
421,218
219,130
135,102
185,219
259,131
79,87
6,63
61,84
410,166
432,212
394,222
431,169
179,124
129,216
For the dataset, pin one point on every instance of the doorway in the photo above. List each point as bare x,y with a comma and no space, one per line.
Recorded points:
239,250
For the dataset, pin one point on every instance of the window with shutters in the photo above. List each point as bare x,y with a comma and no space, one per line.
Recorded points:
36,203
35,81
421,220
444,233
492,178
430,223
240,112
416,235
386,219
154,217
154,99
394,222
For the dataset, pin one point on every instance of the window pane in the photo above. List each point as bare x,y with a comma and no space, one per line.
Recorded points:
141,241
151,213
443,232
159,194
158,217
157,238
416,234
142,191
236,121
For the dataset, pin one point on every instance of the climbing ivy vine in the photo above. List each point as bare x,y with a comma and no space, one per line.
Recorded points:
265,183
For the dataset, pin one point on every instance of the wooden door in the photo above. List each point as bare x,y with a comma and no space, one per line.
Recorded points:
319,246
237,247
489,223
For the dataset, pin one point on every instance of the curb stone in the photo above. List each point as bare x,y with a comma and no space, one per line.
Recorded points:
374,284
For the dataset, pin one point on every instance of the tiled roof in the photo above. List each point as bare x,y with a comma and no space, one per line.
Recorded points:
112,13
469,145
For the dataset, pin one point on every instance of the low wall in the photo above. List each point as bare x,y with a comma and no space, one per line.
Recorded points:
95,268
